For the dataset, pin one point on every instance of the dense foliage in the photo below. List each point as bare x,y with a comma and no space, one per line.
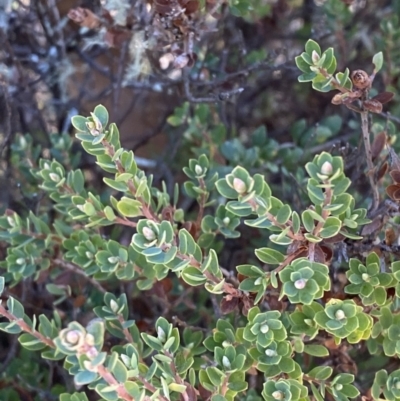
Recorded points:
268,270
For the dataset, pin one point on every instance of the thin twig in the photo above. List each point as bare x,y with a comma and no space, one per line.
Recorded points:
76,269
368,153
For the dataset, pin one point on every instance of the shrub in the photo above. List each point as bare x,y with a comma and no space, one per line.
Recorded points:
288,321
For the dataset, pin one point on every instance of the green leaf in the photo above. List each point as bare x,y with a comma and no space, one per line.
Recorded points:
152,342
296,222
307,77
117,185
15,307
331,227
193,276
316,350
302,65
283,215
286,365
79,123
311,46
85,377
268,255
215,375
377,60
119,371
30,342
308,220
316,393
129,207
102,114
225,190
321,372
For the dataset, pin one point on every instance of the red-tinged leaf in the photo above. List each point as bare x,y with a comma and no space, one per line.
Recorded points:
190,391
382,171
190,6
204,394
395,174
390,236
319,255
394,192
228,304
383,97
372,227
328,252
378,144
335,239
248,303
394,160
373,106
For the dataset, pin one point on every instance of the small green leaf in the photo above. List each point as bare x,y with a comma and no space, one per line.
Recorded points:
331,227
268,255
316,350
377,61
283,215
102,114
311,46
308,221
302,65
117,185
85,377
129,207
79,123
215,376
321,372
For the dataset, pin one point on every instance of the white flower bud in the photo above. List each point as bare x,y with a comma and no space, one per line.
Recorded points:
315,57
339,315
278,395
114,306
226,220
300,284
149,234
54,177
239,185
339,386
326,168
20,261
270,352
89,255
72,336
161,334
113,259
365,276
264,328
198,170
226,362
